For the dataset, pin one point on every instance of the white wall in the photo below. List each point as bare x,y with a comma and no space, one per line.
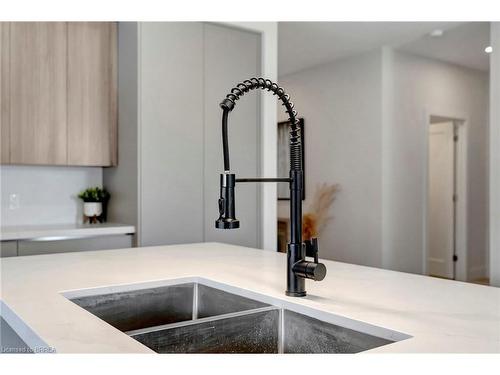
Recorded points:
48,195
365,124
494,213
340,103
421,87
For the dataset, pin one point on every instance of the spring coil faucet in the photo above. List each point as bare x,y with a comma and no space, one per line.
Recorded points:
298,267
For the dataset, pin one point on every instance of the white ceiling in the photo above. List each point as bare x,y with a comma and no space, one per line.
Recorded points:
302,45
463,45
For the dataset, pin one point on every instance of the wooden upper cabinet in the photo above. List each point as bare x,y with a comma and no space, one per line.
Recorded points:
4,92
37,102
92,93
58,93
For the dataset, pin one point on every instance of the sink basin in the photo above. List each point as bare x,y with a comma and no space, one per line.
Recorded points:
265,330
141,308
191,317
249,332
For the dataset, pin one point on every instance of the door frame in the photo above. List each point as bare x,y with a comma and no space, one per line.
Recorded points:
461,122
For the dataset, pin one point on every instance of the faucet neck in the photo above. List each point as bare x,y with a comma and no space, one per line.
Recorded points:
225,145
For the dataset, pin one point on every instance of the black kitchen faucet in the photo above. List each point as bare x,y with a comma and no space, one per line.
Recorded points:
298,267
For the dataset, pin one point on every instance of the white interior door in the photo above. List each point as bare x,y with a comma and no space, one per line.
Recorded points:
440,201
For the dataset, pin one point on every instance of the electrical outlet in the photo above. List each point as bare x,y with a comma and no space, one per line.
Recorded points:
14,201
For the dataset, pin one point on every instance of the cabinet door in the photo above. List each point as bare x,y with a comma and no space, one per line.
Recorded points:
8,249
38,92
232,56
10,339
92,93
4,92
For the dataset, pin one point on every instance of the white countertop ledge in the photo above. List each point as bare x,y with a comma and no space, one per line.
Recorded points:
62,231
439,315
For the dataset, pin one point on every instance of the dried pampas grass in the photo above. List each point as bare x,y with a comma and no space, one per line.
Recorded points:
317,215
309,229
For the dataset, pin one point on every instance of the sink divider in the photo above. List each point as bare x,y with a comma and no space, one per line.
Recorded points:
195,301
195,321
281,332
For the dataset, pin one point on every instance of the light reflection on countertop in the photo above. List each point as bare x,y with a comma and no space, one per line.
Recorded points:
62,231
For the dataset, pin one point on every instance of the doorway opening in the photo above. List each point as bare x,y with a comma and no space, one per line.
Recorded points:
446,225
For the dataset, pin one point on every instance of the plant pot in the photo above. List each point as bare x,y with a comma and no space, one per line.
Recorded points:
92,209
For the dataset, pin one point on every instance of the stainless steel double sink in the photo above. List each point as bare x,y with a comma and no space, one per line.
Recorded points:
191,317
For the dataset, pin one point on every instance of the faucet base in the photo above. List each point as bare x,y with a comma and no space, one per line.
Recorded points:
295,294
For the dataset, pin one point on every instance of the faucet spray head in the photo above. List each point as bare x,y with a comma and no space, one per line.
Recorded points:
227,219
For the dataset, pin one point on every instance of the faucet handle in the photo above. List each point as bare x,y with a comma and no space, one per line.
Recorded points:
310,270
312,248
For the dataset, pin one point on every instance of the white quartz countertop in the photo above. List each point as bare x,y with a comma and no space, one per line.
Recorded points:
62,231
439,315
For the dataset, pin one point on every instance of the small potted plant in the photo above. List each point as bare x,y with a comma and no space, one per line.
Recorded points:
94,204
